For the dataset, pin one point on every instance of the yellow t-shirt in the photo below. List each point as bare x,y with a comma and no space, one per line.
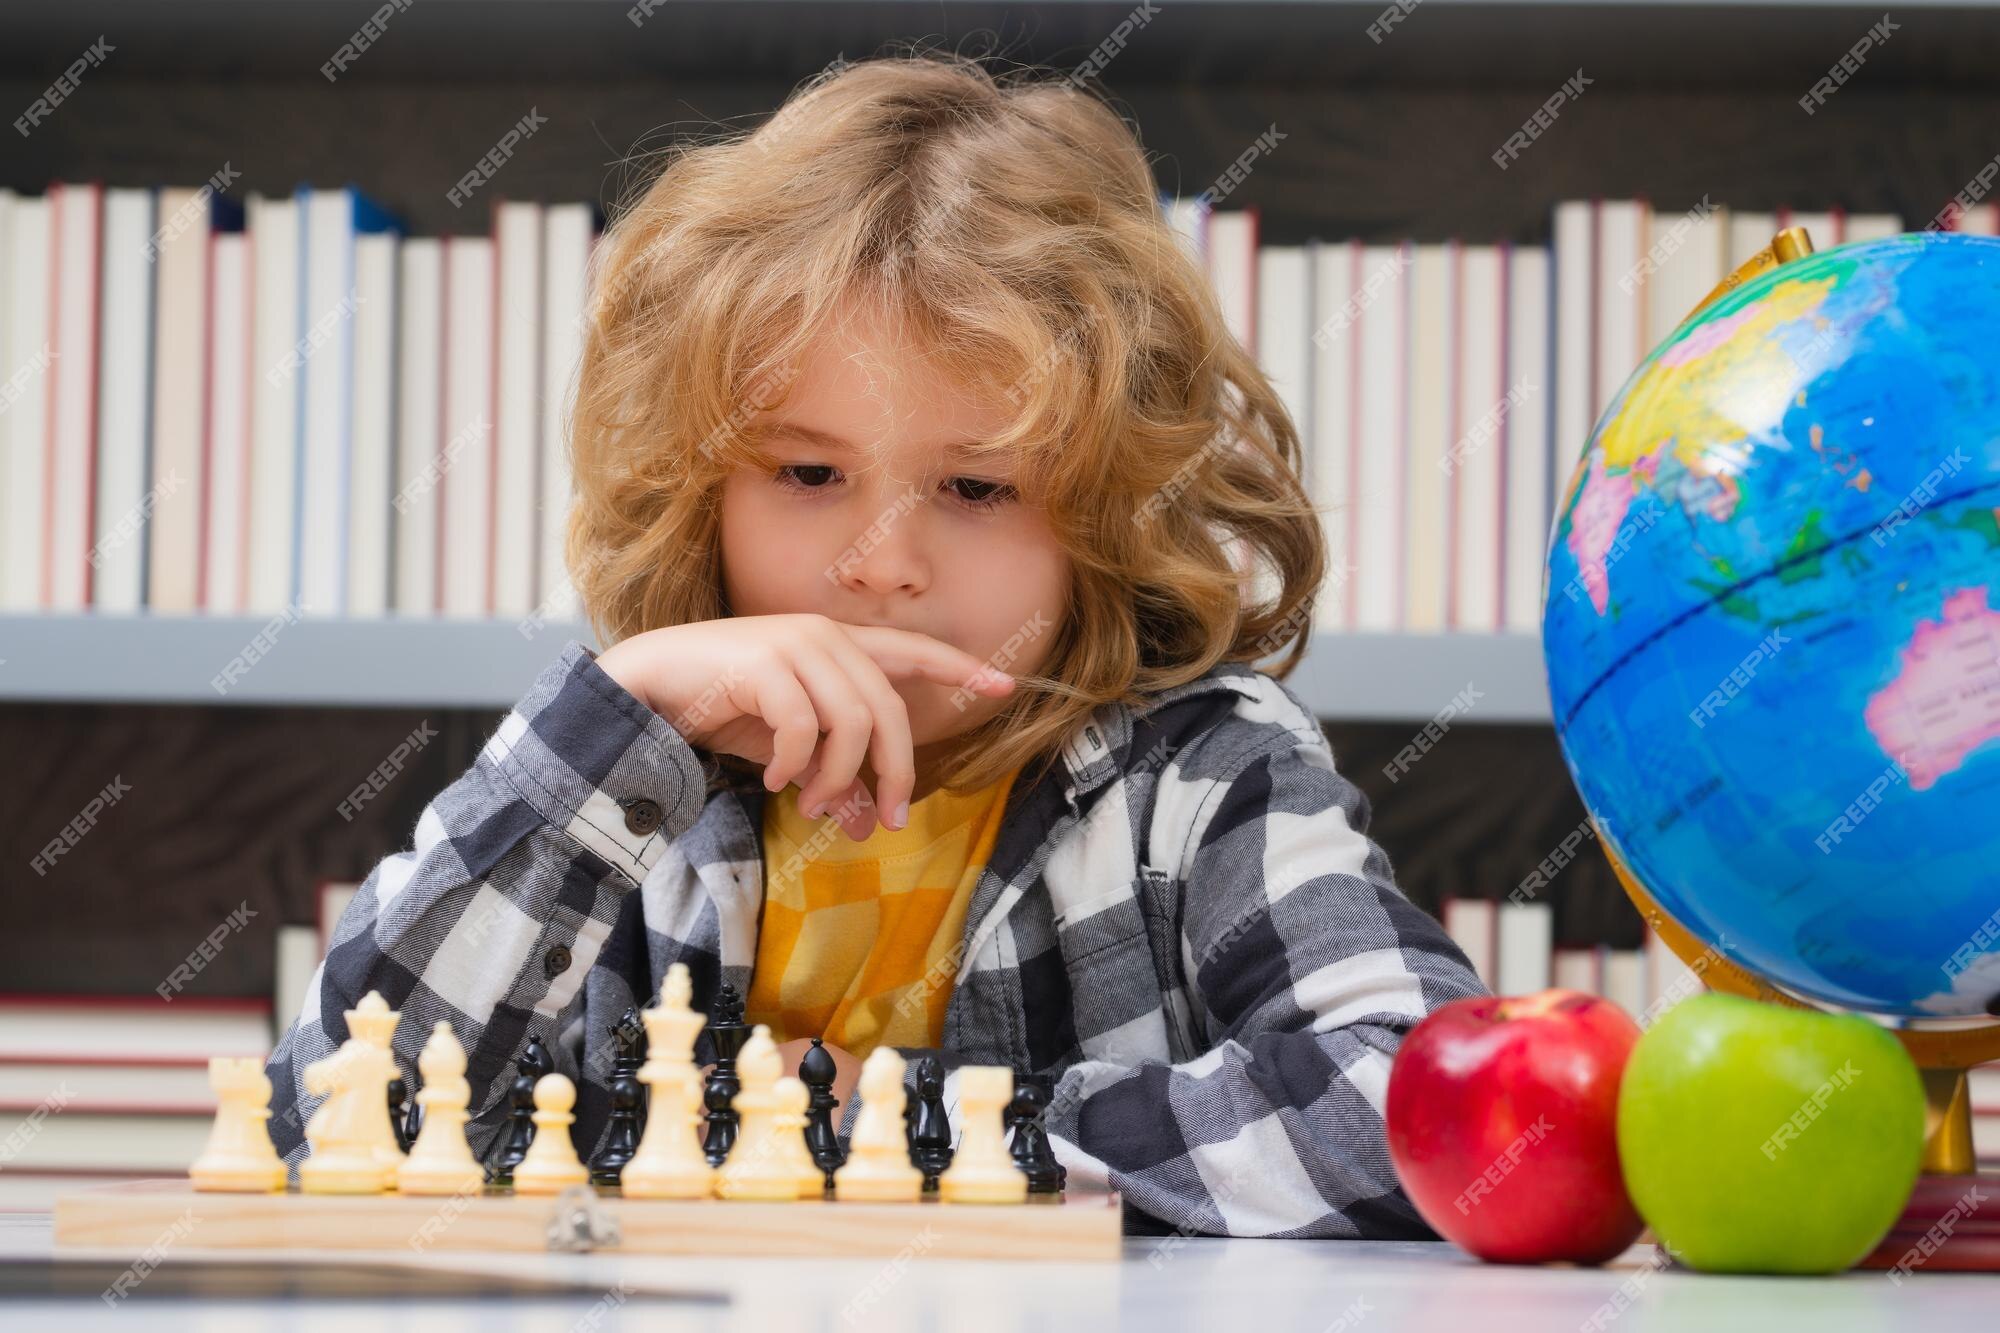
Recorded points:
859,940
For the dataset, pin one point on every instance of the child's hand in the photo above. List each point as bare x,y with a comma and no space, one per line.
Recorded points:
766,687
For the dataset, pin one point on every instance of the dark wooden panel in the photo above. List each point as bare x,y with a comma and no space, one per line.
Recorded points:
225,806
1381,164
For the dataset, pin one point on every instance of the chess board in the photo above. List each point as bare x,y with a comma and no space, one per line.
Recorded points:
1079,1224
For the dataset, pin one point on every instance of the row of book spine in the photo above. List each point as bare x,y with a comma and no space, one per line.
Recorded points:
284,406
292,406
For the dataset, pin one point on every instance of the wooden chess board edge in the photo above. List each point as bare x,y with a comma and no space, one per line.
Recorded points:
1080,1225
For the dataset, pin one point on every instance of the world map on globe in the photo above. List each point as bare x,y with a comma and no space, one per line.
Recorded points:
1772,625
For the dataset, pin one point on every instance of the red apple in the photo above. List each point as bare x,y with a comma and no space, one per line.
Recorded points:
1503,1124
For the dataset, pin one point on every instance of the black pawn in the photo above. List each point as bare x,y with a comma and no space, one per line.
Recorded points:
627,1117
400,1106
930,1126
1028,1142
817,1071
718,1094
513,1145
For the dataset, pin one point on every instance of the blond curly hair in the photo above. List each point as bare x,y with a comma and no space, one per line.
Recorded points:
1012,221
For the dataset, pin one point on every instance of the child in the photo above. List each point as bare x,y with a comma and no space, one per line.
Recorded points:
917,480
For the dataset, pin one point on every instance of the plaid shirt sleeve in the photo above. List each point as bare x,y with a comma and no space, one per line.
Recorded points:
1306,965
492,918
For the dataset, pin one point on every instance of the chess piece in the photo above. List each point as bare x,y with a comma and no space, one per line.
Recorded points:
668,1163
792,1098
621,1138
817,1071
551,1163
728,1030
440,1160
878,1159
758,1166
353,1145
512,1146
930,1126
399,1097
982,1172
1028,1143
238,1157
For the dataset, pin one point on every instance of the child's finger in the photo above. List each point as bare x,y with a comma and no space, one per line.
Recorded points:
904,653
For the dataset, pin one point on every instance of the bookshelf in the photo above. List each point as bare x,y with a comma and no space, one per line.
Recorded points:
446,663
1384,142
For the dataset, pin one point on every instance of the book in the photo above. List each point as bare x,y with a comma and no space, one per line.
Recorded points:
1577,968
225,560
517,243
273,228
1232,270
568,233
27,360
147,1143
1381,442
1284,338
177,1086
1473,926
1625,979
1332,473
331,221
1525,937
372,393
131,1029
70,478
123,527
1476,461
419,417
1574,260
1433,385
1528,428
465,461
189,218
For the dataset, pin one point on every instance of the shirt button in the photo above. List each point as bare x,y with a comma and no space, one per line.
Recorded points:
556,961
642,816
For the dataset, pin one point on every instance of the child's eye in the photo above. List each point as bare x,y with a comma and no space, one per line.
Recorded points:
987,494
969,491
799,485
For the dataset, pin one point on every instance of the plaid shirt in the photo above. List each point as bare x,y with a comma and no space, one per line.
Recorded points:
1183,922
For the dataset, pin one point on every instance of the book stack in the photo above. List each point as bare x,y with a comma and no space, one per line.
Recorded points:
291,406
1512,947
286,406
110,1087
1445,390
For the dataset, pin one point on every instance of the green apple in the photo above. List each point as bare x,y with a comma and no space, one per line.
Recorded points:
1760,1138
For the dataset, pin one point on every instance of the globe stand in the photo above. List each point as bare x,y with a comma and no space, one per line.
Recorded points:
1945,1226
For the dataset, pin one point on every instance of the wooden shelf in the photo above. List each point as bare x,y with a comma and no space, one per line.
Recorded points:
443,663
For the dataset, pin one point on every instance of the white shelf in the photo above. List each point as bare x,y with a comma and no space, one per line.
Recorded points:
375,663
442,663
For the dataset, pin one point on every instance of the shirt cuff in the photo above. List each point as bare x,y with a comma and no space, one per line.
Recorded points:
598,764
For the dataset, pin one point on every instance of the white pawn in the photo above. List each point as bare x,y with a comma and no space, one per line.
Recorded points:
239,1157
441,1161
792,1098
668,1163
551,1163
878,1157
981,1170
757,1167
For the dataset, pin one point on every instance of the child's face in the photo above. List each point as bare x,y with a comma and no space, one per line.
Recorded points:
896,542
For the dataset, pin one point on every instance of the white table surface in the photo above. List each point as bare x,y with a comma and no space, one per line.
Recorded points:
1264,1286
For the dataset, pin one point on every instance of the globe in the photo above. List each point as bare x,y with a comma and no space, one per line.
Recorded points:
1771,624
